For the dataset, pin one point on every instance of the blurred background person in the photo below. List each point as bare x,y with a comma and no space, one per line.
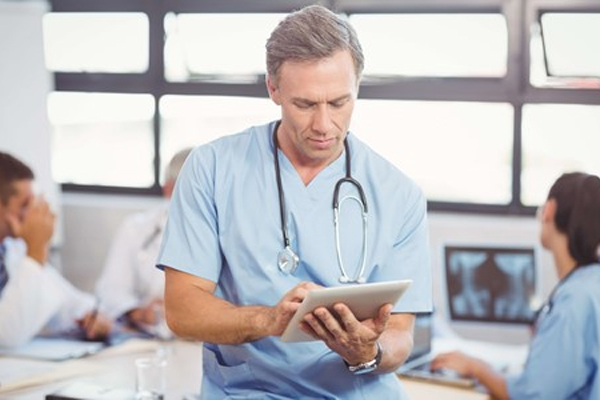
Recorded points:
130,287
34,298
563,356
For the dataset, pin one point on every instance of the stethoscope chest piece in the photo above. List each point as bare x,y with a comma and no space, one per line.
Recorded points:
287,261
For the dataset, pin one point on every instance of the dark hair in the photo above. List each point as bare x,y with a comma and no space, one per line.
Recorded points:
577,197
11,170
310,34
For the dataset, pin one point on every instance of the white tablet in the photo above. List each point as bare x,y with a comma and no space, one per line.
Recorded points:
363,299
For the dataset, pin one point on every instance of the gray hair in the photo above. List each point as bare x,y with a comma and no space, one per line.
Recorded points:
172,170
309,34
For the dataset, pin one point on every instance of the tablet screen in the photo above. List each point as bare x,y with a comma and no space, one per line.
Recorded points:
363,299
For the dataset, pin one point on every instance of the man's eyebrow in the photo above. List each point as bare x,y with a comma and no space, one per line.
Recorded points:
340,98
302,100
307,101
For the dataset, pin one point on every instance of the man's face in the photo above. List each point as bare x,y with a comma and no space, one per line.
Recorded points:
16,205
317,100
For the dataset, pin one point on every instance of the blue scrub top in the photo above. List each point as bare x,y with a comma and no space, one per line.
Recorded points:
564,358
224,225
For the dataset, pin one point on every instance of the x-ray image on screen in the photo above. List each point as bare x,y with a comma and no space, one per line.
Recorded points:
491,284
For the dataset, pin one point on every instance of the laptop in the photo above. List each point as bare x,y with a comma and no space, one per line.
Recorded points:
418,364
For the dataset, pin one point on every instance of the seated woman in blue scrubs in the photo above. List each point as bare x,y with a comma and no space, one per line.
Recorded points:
564,356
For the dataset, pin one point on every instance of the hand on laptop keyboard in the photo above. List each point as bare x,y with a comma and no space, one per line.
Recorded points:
443,375
455,364
447,372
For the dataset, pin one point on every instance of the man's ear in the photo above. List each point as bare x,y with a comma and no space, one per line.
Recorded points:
273,90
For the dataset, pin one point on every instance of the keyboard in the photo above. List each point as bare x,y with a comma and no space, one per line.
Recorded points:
449,377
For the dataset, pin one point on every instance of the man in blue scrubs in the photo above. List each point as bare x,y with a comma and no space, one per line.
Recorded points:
226,284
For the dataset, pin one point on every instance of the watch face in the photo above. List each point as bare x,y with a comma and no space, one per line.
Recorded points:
368,366
365,370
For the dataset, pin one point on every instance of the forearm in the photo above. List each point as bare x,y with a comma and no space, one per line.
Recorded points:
193,311
396,347
492,380
394,352
210,319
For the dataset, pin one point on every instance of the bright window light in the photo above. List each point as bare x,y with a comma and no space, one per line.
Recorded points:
438,45
217,46
557,138
96,42
457,152
102,138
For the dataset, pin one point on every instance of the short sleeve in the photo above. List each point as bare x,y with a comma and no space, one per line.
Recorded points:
190,242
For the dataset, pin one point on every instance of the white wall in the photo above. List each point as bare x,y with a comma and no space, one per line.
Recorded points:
24,87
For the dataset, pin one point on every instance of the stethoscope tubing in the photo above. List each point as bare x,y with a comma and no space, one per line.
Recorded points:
287,255
344,278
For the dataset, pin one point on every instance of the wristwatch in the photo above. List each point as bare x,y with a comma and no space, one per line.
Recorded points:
368,366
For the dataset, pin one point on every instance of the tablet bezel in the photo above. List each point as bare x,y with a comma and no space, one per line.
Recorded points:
363,299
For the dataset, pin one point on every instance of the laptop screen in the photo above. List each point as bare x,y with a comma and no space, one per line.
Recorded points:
422,336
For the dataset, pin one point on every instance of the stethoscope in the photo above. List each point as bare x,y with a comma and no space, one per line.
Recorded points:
547,307
287,259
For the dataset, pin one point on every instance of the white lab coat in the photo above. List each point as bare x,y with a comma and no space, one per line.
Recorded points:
36,299
129,278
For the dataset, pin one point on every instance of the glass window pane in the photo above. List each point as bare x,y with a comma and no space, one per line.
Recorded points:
557,138
193,120
457,152
102,139
537,67
449,45
96,42
217,46
572,43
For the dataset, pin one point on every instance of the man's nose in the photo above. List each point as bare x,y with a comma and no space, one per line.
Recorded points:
322,120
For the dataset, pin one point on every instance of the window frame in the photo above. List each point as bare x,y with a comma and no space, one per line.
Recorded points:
581,7
514,88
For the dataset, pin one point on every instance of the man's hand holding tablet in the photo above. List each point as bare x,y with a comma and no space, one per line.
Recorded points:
364,300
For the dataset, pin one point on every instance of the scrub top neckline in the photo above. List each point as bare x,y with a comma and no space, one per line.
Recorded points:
322,183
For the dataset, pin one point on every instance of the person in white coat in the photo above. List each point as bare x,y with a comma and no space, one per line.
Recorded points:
34,298
130,287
